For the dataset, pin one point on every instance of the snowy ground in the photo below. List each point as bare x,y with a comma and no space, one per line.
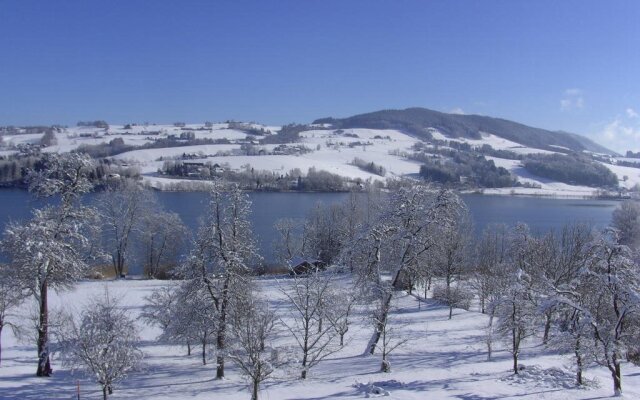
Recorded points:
330,151
444,360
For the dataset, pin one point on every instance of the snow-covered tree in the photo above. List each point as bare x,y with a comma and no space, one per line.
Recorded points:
122,208
338,309
162,236
53,248
321,235
185,314
399,240
391,336
10,298
308,296
452,253
288,243
195,318
490,254
220,262
626,219
252,325
516,308
159,308
566,255
103,343
614,282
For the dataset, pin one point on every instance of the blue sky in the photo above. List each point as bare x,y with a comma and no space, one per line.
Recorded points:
566,65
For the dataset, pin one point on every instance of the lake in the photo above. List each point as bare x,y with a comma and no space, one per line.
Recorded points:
541,214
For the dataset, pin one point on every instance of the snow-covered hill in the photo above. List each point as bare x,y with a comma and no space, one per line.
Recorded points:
328,149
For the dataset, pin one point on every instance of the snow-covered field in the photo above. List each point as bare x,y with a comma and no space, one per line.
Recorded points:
445,359
329,150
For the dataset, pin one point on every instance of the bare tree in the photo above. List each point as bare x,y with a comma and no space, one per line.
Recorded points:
122,208
516,308
289,241
490,254
390,334
321,236
52,249
221,258
565,256
614,282
10,298
195,318
162,235
159,308
103,344
399,239
252,325
452,253
308,294
338,309
626,219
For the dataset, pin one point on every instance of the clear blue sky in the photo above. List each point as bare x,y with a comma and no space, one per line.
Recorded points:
570,65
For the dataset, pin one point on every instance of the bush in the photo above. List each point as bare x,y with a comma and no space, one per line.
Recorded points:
459,296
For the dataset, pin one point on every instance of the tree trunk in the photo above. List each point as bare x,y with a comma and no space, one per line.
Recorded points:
341,339
579,367
449,300
204,353
515,345
188,348
104,393
380,325
254,392
222,329
305,353
547,327
44,364
1,326
616,374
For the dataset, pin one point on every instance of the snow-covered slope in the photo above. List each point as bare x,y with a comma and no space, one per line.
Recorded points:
444,359
327,149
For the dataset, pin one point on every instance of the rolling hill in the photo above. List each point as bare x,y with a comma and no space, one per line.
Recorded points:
417,121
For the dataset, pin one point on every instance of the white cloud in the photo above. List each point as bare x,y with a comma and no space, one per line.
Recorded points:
572,99
457,110
623,133
573,92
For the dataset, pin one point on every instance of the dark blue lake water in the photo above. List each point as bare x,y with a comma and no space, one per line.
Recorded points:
541,214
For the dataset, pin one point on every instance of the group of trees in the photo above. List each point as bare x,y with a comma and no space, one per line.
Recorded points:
369,166
471,167
572,169
577,289
136,227
59,245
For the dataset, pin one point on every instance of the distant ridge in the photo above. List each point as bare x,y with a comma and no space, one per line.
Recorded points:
416,121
